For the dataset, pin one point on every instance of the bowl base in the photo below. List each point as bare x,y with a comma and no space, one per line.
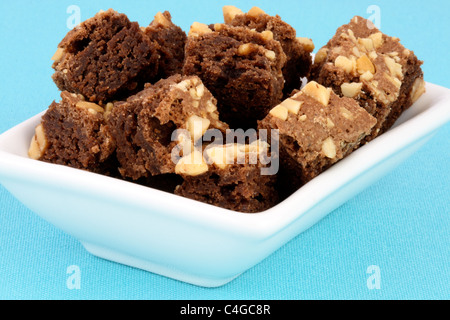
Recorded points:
119,257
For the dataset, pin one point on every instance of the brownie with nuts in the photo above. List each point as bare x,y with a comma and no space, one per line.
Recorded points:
161,122
171,40
297,49
316,129
73,132
241,67
229,176
363,63
105,58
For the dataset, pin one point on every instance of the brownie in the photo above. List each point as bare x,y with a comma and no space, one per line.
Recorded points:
297,49
105,58
316,129
229,176
73,132
144,126
375,69
242,68
171,40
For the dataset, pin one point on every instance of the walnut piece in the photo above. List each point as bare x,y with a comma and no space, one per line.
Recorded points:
197,126
229,12
192,164
351,90
38,143
279,112
198,29
329,148
318,92
161,20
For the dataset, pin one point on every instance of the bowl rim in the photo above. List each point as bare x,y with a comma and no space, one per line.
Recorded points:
432,111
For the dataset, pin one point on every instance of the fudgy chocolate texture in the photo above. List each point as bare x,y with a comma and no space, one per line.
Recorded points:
74,133
242,69
316,129
297,50
234,183
380,73
105,58
171,39
144,125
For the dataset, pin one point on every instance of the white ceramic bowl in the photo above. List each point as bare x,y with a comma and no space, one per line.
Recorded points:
188,240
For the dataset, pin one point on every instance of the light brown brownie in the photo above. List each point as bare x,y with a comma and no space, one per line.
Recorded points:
229,176
363,63
317,128
144,125
297,49
242,68
73,132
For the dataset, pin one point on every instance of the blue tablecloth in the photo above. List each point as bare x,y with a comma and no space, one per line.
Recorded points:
392,241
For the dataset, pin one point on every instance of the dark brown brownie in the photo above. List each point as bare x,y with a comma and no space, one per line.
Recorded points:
143,126
73,132
105,58
234,183
171,39
380,73
297,49
242,68
316,129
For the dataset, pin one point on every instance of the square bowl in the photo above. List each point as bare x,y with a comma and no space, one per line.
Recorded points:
192,241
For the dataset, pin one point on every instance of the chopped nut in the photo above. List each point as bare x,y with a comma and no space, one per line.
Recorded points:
394,68
373,55
198,29
89,106
330,123
351,90
367,43
161,20
197,126
344,63
183,85
255,12
302,117
346,113
329,148
58,54
366,76
364,64
418,89
246,49
270,55
321,55
307,43
267,35
279,112
192,164
293,106
318,92
38,143
356,51
377,39
229,12
210,106
219,156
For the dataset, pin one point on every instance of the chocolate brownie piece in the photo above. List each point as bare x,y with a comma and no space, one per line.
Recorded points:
380,73
73,132
171,39
242,68
316,129
144,125
105,58
229,176
297,49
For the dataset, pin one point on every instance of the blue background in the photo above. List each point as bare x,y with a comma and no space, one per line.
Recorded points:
400,224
